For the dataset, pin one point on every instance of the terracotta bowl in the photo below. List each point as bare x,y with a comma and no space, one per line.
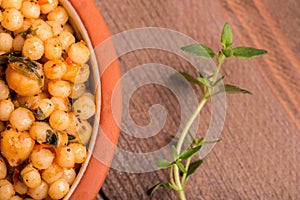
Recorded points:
88,22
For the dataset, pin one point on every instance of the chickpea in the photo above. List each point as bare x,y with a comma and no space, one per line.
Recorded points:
84,131
31,176
53,48
25,26
1,16
4,90
58,14
59,189
38,131
57,27
6,190
48,7
16,146
33,48
16,198
55,69
44,108
84,107
59,120
83,74
42,30
20,187
69,175
77,90
11,4
79,152
6,42
79,53
30,9
61,103
40,192
59,88
18,43
3,168
72,72
21,119
62,139
41,159
65,157
66,38
12,19
6,107
53,173
22,84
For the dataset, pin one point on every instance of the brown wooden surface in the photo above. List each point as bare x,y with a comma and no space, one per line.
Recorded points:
259,157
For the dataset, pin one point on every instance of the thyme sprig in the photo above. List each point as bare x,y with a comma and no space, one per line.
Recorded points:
182,166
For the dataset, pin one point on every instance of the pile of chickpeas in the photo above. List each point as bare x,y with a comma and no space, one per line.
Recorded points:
45,121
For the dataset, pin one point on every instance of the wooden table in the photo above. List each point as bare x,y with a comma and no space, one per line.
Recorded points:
258,157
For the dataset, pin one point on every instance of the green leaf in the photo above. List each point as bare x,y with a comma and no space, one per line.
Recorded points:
194,166
193,138
180,166
174,152
227,52
212,142
189,77
199,50
189,152
226,38
163,164
248,52
204,81
219,80
156,186
232,89
200,141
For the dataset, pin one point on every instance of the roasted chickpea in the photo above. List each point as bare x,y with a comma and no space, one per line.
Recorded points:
62,139
84,107
33,48
55,69
65,157
21,119
12,19
30,101
57,27
61,103
58,14
30,9
6,107
79,53
53,48
83,74
3,168
38,131
31,176
40,192
18,43
4,90
16,146
59,88
84,131
2,126
42,30
59,189
6,190
22,84
66,39
59,120
49,6
77,90
16,198
6,42
41,159
79,152
20,187
69,175
53,173
43,108
11,4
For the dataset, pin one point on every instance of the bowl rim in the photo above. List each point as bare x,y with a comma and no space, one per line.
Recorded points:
96,170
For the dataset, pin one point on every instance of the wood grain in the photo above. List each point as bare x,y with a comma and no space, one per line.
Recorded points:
259,156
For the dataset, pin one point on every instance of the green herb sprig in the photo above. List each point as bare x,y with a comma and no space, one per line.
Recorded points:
182,167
